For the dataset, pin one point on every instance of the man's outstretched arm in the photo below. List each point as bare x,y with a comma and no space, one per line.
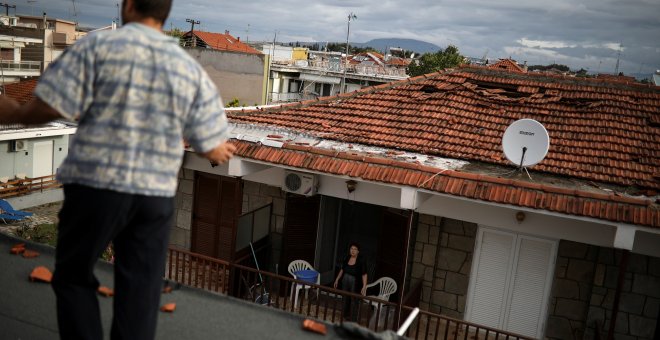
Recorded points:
36,111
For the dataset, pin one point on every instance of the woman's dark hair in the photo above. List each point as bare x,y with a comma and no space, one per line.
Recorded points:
353,244
157,9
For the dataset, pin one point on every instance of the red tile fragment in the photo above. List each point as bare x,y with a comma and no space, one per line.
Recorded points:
41,274
30,254
105,291
17,249
314,326
168,307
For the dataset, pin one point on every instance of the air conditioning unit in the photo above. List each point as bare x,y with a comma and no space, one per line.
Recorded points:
18,145
300,183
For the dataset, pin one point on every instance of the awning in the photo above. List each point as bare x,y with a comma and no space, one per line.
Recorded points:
320,79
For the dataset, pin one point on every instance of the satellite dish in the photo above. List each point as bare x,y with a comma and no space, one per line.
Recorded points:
525,142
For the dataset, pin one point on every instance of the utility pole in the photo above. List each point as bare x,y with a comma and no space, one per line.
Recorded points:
193,22
348,31
7,7
269,95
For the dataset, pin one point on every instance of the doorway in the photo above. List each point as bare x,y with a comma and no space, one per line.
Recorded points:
380,231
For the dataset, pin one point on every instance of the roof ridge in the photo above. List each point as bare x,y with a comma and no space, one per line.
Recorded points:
568,79
353,94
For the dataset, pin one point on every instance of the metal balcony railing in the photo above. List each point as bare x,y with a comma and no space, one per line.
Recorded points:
6,65
321,302
366,70
274,97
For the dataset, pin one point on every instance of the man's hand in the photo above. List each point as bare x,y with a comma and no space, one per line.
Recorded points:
221,153
33,112
7,108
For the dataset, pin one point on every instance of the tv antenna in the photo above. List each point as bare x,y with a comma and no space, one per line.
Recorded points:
75,12
525,143
618,58
31,3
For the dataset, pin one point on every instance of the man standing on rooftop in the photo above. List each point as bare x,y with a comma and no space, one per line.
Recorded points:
136,95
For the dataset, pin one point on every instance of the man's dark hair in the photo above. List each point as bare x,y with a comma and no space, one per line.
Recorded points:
157,9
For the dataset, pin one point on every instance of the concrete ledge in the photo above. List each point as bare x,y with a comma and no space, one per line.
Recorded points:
36,199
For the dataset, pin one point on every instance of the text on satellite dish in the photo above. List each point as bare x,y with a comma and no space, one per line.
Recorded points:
527,133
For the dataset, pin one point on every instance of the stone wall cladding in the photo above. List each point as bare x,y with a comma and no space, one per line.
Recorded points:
639,301
584,288
180,232
442,261
571,291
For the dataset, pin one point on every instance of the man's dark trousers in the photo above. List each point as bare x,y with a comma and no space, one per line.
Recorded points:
138,227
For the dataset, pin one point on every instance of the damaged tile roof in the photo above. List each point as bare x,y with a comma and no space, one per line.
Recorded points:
21,91
600,132
224,42
507,64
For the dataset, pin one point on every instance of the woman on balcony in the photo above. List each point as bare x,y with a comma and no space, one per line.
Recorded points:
352,268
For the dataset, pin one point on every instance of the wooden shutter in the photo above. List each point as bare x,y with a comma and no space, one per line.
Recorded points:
229,208
300,227
493,258
531,282
205,215
216,207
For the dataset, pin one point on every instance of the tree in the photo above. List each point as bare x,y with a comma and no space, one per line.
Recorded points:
581,73
559,67
176,33
433,62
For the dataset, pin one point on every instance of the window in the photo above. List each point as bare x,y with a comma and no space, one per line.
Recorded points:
510,281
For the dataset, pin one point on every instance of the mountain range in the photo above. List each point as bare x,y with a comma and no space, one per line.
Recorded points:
406,44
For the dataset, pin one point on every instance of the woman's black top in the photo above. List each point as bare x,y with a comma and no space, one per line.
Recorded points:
357,270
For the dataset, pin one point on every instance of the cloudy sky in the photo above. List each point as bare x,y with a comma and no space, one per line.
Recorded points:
579,33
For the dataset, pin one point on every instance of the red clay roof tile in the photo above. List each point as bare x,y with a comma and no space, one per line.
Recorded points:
223,42
21,91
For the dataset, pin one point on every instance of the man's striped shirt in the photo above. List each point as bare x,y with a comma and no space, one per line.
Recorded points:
136,95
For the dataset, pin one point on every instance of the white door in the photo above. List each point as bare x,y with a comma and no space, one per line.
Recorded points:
510,284
42,160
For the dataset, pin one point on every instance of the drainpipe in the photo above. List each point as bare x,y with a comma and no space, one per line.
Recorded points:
405,268
623,266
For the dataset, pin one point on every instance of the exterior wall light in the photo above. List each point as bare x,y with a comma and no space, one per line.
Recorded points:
351,185
520,216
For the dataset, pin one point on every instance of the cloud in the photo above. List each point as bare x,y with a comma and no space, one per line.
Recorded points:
577,32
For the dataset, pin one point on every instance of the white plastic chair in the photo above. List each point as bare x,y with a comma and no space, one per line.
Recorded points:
387,287
295,266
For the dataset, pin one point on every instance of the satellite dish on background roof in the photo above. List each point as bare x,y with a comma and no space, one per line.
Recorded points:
525,142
